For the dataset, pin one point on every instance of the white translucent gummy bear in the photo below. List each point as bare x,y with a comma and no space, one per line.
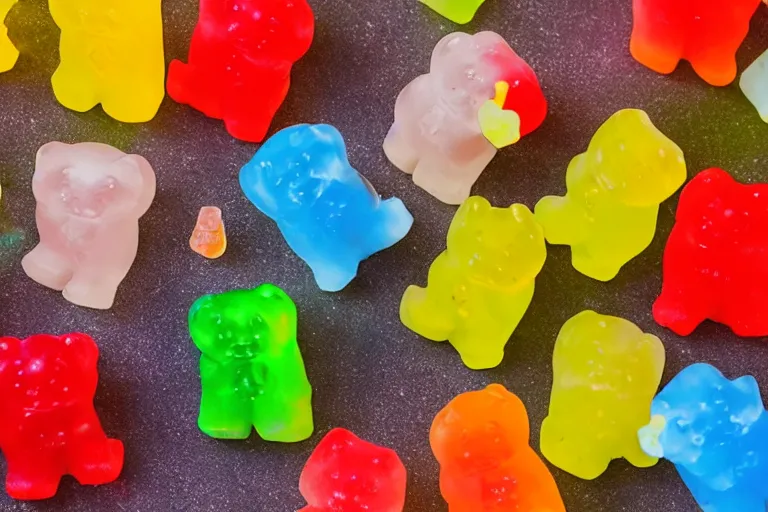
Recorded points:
436,135
89,200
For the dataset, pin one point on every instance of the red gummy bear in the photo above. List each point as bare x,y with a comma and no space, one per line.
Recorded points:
48,426
716,259
347,474
240,61
706,33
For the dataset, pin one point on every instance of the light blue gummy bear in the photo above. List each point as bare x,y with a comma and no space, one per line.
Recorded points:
715,431
754,84
328,213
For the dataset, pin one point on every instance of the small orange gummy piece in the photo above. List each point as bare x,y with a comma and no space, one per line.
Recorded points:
481,441
209,239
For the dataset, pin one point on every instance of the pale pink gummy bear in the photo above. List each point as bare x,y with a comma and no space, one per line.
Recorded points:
89,200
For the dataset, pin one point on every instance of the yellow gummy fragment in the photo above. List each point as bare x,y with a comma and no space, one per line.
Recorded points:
501,127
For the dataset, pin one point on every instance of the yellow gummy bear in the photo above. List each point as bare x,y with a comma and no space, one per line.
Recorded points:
481,286
8,53
608,216
111,53
606,372
458,11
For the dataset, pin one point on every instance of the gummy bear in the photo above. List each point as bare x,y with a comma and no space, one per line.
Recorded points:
240,61
715,432
251,369
49,427
347,474
328,213
458,11
706,33
89,200
716,258
608,216
480,287
606,372
754,85
111,53
437,135
209,239
8,53
481,440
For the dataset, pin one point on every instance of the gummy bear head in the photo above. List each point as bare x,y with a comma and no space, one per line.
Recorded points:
497,246
703,422
350,474
92,181
467,67
243,325
43,372
293,169
634,162
263,29
478,430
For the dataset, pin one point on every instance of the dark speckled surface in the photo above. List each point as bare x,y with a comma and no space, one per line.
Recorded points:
370,374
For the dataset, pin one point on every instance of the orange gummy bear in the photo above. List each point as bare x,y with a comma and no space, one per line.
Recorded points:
480,440
209,239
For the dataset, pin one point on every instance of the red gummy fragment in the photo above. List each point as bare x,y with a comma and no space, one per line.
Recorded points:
347,474
48,426
716,258
240,61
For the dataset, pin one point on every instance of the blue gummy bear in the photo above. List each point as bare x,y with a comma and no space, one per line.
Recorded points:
715,431
328,213
754,84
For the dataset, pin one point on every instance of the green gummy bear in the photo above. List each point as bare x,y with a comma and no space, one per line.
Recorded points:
251,368
458,11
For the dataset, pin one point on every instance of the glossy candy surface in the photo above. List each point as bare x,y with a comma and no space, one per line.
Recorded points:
240,60
458,11
716,258
608,215
706,33
715,432
328,213
89,200
479,288
251,368
754,84
48,426
437,135
481,440
8,53
209,238
606,371
348,474
111,53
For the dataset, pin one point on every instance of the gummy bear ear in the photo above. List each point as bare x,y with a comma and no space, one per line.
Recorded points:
84,347
52,159
135,173
748,385
446,46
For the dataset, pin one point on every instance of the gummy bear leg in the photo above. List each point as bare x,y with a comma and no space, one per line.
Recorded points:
30,477
47,267
91,289
424,316
656,46
435,178
636,456
558,223
390,223
565,447
674,313
283,422
399,151
479,350
736,499
134,103
591,265
97,463
717,68
179,80
221,417
74,87
333,278
247,129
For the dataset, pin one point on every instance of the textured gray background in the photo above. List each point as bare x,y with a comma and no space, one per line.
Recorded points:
370,374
